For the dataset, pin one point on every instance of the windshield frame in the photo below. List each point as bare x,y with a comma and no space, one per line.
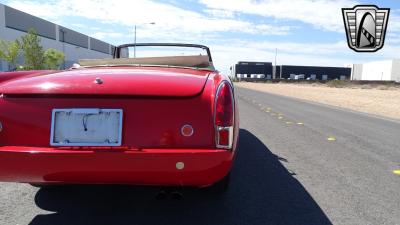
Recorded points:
117,50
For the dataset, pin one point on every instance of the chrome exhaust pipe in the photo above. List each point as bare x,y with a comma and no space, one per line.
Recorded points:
166,192
161,195
176,195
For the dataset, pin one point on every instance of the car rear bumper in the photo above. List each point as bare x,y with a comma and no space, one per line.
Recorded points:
202,167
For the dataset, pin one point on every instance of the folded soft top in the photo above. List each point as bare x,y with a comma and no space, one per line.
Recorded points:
196,61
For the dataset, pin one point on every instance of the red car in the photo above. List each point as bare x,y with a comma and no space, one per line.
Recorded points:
165,121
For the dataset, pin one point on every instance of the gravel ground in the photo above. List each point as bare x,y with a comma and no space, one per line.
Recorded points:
379,102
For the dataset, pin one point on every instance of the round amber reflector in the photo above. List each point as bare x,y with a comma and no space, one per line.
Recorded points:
187,130
180,165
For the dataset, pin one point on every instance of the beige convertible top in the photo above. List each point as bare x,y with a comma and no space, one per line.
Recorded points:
196,61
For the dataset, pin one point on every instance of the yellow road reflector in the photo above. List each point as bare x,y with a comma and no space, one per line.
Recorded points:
397,172
300,123
280,117
267,111
288,122
331,138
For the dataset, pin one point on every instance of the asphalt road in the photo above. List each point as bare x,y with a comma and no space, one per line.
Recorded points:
298,163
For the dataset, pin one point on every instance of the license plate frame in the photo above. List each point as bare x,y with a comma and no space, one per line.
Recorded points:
78,131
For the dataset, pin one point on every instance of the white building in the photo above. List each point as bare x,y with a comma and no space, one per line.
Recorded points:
14,23
386,70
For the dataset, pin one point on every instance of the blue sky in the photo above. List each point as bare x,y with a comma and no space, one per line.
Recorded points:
305,32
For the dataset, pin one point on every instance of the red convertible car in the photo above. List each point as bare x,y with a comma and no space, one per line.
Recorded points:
143,120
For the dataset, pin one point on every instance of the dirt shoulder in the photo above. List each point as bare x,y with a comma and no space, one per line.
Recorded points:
374,101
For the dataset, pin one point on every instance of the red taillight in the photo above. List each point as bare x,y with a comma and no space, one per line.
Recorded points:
224,106
224,116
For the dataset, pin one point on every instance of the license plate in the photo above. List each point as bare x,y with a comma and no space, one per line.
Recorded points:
86,127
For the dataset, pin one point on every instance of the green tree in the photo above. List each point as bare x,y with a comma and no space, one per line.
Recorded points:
53,59
35,58
9,51
32,50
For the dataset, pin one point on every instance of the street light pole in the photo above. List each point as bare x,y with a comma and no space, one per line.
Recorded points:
134,47
276,53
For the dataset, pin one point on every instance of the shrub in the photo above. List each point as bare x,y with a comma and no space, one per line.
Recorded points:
336,83
9,51
53,58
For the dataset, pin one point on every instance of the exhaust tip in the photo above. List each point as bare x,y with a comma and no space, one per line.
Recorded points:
161,195
176,195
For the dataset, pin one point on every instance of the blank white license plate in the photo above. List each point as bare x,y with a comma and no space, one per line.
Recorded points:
86,127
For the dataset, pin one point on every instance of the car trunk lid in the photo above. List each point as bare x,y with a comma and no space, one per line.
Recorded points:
138,81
